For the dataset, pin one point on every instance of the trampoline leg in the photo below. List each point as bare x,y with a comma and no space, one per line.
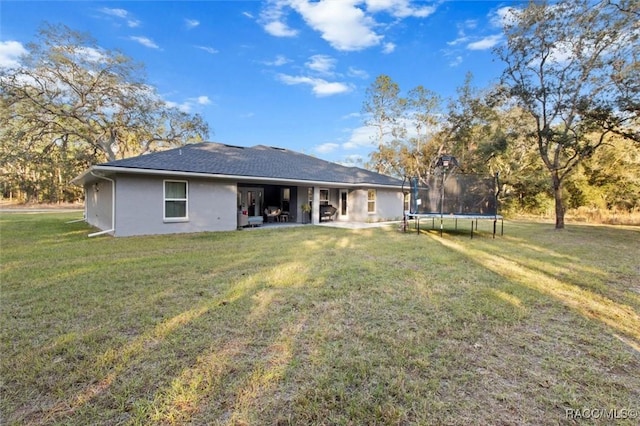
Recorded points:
494,229
472,229
433,223
501,227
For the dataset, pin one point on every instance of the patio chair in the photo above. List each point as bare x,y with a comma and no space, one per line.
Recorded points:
272,213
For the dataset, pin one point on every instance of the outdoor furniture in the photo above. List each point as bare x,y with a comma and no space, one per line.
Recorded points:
327,212
255,221
243,219
272,213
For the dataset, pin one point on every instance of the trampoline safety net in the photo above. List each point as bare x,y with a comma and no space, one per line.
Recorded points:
454,194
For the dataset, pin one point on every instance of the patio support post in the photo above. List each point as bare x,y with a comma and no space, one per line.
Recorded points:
315,212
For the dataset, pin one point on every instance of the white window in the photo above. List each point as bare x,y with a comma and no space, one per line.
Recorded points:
371,201
324,197
175,200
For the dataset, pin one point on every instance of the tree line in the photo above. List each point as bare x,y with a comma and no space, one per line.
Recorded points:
71,104
562,126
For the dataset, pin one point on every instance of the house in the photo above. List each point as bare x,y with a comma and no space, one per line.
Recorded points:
217,187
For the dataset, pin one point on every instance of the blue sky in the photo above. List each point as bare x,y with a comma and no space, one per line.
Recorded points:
286,73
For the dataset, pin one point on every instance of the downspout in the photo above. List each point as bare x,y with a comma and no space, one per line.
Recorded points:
113,207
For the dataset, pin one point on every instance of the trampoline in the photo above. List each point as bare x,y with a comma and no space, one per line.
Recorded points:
449,194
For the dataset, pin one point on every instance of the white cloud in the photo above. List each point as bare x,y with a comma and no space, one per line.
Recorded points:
347,25
91,54
248,15
455,61
280,29
343,25
319,86
355,72
10,52
278,61
469,24
323,64
504,16
326,148
191,23
208,49
399,8
188,105
147,42
118,13
121,14
485,43
351,115
361,137
352,160
203,100
388,48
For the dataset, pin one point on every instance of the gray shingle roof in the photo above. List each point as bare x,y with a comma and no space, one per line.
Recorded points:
259,161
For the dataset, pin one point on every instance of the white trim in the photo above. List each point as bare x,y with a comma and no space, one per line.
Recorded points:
375,201
165,199
236,178
344,216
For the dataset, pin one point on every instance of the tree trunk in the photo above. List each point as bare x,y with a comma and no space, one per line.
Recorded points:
557,194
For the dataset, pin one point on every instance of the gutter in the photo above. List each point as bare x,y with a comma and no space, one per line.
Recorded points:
113,207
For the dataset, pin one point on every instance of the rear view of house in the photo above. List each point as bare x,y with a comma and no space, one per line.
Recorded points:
216,187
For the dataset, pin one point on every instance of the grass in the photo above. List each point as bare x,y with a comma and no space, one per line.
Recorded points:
315,325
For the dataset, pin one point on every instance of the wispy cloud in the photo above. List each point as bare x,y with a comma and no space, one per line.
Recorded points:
191,23
121,14
388,48
323,64
278,61
455,61
485,43
361,137
355,72
319,86
208,49
326,148
188,105
145,41
10,52
248,15
399,8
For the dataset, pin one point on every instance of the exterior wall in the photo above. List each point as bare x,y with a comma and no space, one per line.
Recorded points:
98,197
388,205
140,206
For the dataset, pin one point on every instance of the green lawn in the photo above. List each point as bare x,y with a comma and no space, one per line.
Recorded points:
313,325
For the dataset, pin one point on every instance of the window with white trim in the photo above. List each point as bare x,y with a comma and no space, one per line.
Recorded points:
324,197
175,199
371,201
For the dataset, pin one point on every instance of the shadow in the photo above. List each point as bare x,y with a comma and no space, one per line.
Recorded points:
618,317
